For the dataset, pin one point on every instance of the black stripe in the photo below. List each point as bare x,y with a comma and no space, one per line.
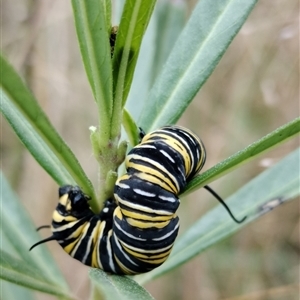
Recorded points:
155,202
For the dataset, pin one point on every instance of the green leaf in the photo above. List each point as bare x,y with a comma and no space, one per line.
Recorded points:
266,143
267,191
34,143
12,291
171,16
134,21
141,82
91,20
131,128
166,23
22,109
196,53
118,287
23,274
108,13
18,234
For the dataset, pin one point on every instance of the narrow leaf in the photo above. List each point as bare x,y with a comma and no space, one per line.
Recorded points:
166,23
134,21
34,143
108,13
20,273
142,77
171,17
133,132
91,20
206,36
266,143
267,191
118,287
25,106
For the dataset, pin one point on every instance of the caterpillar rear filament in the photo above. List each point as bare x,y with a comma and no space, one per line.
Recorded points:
135,232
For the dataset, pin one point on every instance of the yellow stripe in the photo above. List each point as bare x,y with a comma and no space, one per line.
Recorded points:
97,236
173,143
202,153
180,148
141,216
63,200
124,269
202,157
152,174
59,218
144,225
156,261
69,248
147,252
171,140
82,235
148,177
144,256
65,227
142,208
118,213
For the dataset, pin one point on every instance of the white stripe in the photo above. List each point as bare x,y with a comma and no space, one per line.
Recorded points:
145,251
182,141
144,208
182,174
109,251
143,193
123,185
166,235
167,156
101,225
88,249
169,199
161,168
120,248
128,234
79,241
147,146
189,136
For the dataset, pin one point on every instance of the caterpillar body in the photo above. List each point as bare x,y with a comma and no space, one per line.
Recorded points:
145,220
135,232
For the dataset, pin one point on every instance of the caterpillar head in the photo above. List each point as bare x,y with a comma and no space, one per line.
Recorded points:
72,205
72,202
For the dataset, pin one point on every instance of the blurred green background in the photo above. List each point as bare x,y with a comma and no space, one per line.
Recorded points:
254,89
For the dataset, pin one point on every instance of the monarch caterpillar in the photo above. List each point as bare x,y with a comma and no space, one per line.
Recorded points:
135,232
